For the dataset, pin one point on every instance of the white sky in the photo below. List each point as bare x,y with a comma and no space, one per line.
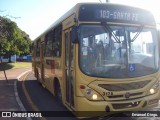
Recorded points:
38,15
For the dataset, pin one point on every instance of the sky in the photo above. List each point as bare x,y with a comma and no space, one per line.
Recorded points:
35,16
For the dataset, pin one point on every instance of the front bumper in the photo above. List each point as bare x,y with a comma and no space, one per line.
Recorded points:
96,108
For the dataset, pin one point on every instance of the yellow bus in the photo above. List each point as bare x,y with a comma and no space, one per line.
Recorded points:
100,57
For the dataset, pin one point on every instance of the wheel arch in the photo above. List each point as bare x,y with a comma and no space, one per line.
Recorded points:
57,85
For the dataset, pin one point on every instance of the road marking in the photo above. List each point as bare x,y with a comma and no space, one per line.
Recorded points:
34,107
22,108
23,74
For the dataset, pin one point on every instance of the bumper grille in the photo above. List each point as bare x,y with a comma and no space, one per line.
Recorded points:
122,96
125,105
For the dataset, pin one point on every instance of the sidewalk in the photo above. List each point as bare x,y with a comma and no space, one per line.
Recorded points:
13,74
8,91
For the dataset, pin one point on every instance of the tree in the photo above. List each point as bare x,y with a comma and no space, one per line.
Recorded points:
9,35
12,39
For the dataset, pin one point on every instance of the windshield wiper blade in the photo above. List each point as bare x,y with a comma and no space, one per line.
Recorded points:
140,30
108,29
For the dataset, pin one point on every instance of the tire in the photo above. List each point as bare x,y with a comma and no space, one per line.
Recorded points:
58,93
37,76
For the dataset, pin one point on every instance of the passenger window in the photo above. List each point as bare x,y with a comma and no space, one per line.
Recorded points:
49,44
57,43
53,42
38,48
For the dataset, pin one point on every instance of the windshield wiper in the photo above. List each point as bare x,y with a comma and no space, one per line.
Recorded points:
108,29
140,30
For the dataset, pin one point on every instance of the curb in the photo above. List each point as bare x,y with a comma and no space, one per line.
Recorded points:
22,108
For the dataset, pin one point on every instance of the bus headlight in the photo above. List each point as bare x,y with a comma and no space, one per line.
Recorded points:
154,88
92,94
152,91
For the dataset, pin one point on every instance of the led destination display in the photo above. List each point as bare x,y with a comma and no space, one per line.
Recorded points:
115,13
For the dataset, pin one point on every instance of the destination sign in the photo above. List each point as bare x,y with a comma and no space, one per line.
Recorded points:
115,13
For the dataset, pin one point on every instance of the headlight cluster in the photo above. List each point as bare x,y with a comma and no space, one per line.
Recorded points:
152,91
91,94
154,88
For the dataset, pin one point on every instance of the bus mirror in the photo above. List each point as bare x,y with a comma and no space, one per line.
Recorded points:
74,34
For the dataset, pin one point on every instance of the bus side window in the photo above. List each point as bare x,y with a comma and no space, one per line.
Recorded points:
57,41
48,44
38,48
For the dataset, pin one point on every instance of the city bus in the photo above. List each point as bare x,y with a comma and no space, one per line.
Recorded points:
100,57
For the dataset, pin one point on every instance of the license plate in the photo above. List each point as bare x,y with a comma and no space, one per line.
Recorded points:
153,101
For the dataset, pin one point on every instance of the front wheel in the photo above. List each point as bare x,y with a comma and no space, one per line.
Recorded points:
37,76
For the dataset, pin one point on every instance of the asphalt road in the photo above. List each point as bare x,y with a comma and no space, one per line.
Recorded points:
36,98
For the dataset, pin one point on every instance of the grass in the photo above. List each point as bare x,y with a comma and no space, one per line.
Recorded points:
8,66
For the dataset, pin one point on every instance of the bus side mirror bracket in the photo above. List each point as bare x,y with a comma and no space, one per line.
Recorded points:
74,34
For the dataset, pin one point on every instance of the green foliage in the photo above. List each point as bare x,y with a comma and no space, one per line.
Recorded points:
12,39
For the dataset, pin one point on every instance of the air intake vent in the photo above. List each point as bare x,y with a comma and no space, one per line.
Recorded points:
124,86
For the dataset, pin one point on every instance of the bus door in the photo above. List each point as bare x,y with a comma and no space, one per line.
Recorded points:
42,62
69,69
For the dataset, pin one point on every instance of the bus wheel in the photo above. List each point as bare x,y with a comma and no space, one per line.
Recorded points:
58,93
37,76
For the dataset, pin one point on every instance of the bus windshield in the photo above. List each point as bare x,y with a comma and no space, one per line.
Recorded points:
119,51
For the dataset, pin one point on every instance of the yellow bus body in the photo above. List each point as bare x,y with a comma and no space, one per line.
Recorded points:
111,93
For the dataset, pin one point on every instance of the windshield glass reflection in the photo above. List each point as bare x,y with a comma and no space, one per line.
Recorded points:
122,51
